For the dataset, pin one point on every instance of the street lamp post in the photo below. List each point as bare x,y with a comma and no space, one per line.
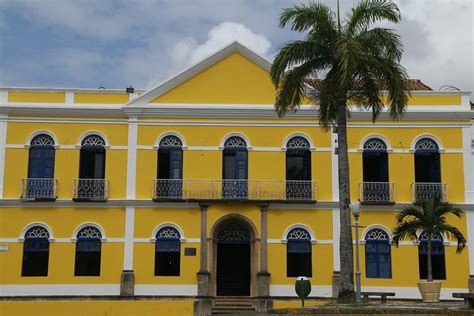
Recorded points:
355,208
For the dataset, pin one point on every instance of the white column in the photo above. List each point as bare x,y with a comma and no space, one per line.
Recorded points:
334,168
335,236
131,190
3,142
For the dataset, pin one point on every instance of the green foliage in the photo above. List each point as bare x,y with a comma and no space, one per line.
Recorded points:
355,61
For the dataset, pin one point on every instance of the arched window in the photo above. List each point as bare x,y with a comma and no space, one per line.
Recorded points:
427,170
91,184
298,253
167,252
377,254
170,168
437,257
376,188
88,252
298,169
40,183
35,252
235,169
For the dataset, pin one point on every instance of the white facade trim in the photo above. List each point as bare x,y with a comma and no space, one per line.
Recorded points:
132,158
129,234
168,224
468,158
377,136
69,97
334,168
94,132
95,225
170,133
470,240
289,290
45,226
166,290
335,235
3,141
59,289
39,132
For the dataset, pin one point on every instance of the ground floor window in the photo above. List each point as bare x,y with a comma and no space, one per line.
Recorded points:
298,253
88,252
35,252
437,257
167,252
377,254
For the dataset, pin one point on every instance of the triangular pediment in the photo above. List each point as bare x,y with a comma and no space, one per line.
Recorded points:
233,75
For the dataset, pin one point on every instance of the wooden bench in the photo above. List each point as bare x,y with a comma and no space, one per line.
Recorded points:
383,295
468,299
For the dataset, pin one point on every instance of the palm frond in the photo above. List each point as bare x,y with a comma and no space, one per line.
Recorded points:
406,230
311,16
453,232
409,212
368,12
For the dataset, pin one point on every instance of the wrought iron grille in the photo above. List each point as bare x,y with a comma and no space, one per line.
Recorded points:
91,189
39,188
377,192
298,234
377,234
168,189
425,191
93,140
426,144
233,232
171,141
235,141
375,144
298,143
299,190
42,140
434,237
89,232
168,232
234,189
37,232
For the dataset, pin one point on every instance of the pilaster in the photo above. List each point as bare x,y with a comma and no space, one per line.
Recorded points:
3,142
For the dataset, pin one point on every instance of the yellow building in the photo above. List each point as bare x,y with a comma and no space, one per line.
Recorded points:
195,190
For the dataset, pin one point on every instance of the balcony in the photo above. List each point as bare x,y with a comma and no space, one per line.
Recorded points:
377,193
39,189
234,190
425,191
90,190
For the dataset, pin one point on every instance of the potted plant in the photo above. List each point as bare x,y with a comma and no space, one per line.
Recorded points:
428,217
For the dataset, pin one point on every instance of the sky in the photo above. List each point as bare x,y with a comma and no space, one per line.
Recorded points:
115,43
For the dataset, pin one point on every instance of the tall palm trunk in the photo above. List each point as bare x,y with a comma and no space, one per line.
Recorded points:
429,266
346,286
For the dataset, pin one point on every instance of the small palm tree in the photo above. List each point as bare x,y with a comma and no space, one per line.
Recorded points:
429,218
340,64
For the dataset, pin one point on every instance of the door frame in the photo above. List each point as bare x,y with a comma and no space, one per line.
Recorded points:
218,225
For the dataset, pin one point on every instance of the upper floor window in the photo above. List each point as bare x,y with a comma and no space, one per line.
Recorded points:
427,161
170,168
40,183
88,252
167,252
376,187
92,158
35,252
235,168
298,169
298,253
377,254
437,256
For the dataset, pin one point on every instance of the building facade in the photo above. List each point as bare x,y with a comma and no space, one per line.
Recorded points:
195,189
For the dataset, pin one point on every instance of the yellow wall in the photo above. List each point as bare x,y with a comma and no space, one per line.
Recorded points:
37,97
101,98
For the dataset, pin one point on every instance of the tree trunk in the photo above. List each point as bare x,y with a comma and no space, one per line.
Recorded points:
429,265
346,286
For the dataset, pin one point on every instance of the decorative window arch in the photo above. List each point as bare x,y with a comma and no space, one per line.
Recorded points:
378,258
298,253
158,228
167,251
364,143
437,256
233,232
98,139
227,142
35,251
300,226
95,226
371,228
42,140
375,144
88,251
171,141
160,141
426,144
292,136
49,134
25,230
298,142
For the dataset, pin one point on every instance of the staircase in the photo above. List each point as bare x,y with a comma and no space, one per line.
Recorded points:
232,305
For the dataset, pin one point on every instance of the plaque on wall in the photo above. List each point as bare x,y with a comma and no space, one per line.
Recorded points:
189,251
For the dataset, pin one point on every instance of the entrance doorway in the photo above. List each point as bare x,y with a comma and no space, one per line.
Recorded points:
233,261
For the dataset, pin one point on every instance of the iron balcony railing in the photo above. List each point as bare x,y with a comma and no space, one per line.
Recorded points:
38,189
271,190
90,190
425,191
377,192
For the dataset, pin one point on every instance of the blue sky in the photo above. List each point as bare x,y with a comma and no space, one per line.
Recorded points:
113,43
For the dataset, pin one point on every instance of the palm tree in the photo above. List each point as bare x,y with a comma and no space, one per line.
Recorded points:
340,64
430,219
